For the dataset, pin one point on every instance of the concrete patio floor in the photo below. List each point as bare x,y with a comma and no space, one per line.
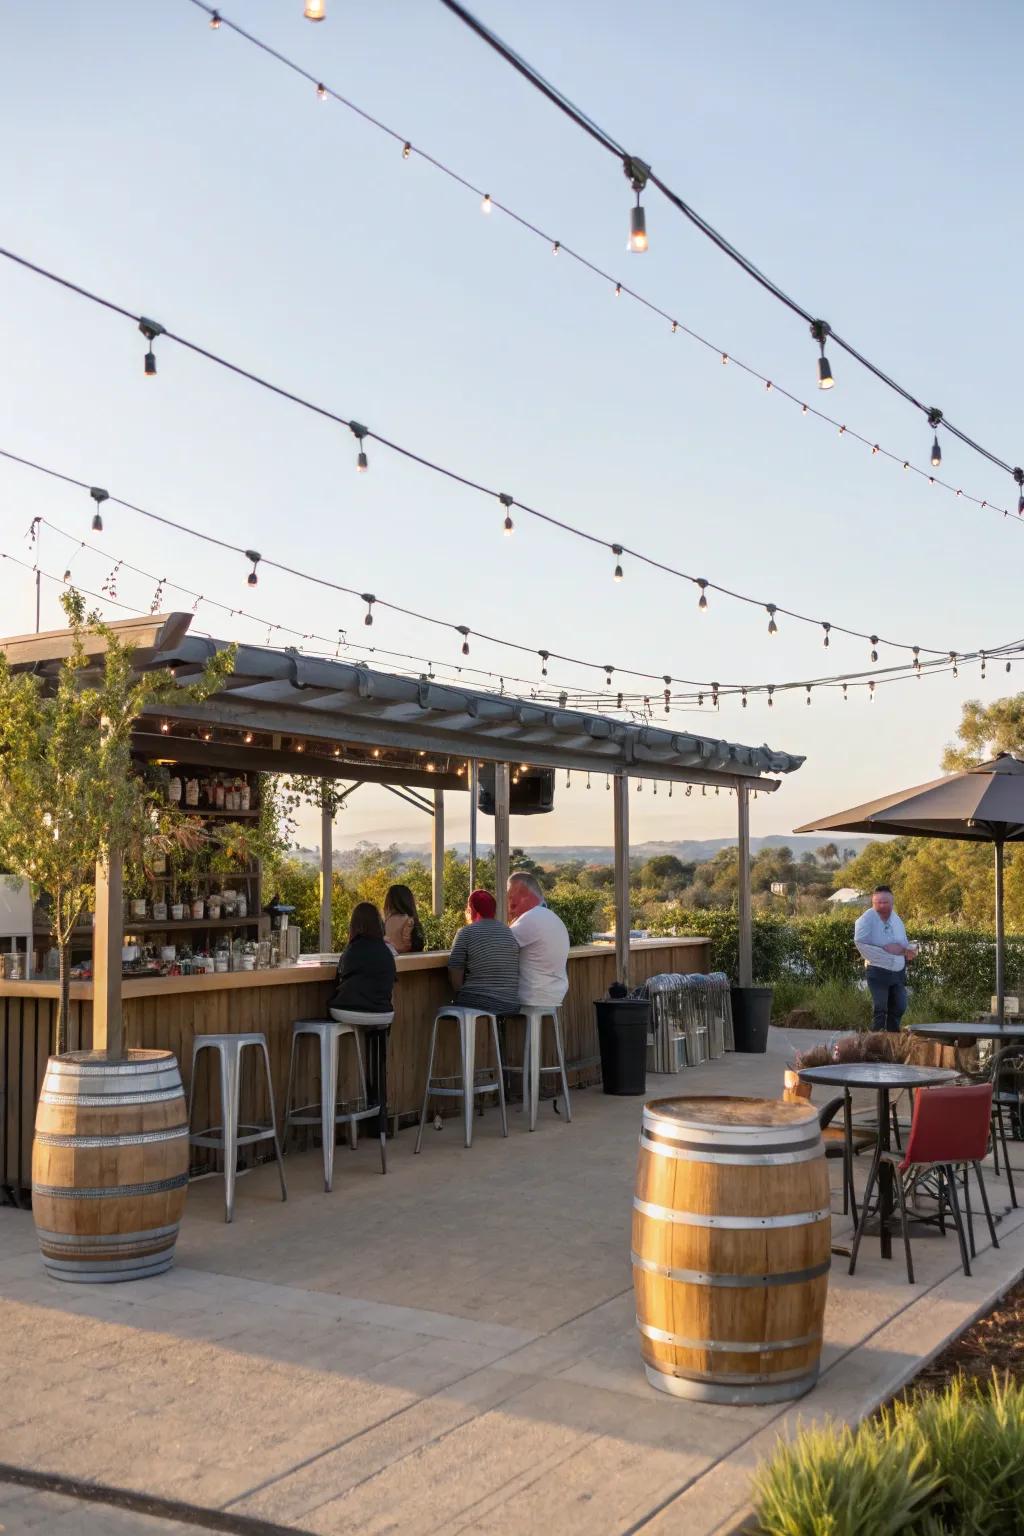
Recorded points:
449,1349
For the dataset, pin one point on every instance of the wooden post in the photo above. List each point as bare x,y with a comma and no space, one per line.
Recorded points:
622,906
746,960
326,865
437,860
502,847
107,940
474,789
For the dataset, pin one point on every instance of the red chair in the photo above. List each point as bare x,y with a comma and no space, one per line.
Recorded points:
950,1128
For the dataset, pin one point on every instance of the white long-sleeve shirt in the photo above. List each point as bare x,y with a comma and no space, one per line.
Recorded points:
871,935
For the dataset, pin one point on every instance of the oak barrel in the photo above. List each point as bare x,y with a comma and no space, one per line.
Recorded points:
109,1165
731,1248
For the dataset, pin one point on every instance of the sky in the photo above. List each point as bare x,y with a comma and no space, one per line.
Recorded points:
867,158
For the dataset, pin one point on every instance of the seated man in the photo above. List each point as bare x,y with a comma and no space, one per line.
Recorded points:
543,944
483,966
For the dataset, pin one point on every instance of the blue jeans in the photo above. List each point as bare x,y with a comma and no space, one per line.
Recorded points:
888,996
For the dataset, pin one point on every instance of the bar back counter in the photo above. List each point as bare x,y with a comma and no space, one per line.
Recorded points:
167,1012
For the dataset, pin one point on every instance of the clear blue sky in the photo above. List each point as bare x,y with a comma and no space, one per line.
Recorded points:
866,157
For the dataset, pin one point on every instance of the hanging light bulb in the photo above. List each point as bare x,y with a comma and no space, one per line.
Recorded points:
506,501
151,329
773,628
99,496
983,660
1018,475
771,690
917,658
846,699
808,687
743,697
871,691
406,150
556,247
617,552
215,21
637,173
874,644
544,658
253,555
608,670
165,726
826,626
463,630
369,600
821,330
702,601
714,694
486,205
321,91
934,418
359,433
315,10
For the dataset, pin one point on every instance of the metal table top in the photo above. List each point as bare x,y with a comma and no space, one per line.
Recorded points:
968,1031
877,1074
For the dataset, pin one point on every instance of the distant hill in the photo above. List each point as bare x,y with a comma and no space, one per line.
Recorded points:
689,850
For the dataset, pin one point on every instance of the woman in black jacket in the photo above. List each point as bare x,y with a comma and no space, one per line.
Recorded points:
366,970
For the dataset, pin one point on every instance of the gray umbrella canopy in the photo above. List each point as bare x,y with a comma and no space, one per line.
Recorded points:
983,804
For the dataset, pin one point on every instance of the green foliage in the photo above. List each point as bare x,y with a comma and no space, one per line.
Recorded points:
576,906
985,731
838,1006
936,1463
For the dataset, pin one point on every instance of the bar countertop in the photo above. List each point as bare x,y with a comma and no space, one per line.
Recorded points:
290,975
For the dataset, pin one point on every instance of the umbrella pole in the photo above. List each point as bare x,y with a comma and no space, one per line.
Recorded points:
1000,978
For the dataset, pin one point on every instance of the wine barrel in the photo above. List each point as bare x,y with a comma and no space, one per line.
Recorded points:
109,1165
731,1248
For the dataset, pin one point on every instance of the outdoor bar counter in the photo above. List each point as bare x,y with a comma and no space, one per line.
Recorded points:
167,1012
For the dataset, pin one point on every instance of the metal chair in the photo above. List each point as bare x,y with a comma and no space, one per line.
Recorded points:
329,1033
468,1088
229,1135
1006,1075
950,1127
373,1030
844,1141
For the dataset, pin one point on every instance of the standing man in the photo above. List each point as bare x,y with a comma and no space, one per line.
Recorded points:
881,940
543,944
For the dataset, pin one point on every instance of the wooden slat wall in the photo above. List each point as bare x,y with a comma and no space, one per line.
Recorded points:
172,1020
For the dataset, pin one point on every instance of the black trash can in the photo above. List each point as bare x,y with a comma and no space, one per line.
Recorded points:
751,1016
623,1024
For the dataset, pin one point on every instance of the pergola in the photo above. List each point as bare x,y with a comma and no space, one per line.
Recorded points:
285,712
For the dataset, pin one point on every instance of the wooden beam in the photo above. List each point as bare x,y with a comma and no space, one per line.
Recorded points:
746,959
149,635
622,904
107,940
326,868
474,795
502,847
221,754
437,854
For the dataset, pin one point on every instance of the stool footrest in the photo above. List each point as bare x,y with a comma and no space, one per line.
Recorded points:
213,1136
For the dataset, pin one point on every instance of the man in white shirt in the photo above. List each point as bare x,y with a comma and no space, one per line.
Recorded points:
881,940
543,944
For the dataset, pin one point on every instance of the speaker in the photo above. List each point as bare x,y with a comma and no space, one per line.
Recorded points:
530,794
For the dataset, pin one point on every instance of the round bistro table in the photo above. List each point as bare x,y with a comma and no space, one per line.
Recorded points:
884,1077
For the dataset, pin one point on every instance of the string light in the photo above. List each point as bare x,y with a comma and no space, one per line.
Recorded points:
618,290
369,600
544,658
808,687
826,626
215,21
406,150
617,552
636,174
556,246
608,670
821,330
1018,475
874,643
702,601
463,630
165,726
99,496
315,10
771,690
934,418
321,91
247,738
773,628
151,329
359,433
507,502
486,205
252,578
743,697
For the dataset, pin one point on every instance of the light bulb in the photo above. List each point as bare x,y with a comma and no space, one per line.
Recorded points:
99,496
773,628
825,379
486,205
315,10
637,230
821,331
362,463
406,150
936,452
702,601
617,552
321,91
215,20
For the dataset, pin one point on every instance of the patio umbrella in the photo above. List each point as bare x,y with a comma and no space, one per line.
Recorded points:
981,805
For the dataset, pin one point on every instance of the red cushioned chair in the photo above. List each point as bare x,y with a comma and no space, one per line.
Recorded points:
950,1128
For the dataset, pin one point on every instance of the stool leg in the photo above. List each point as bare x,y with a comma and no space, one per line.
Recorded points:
330,1050
561,1066
354,1128
230,1085
426,1091
382,1079
273,1119
499,1073
467,1044
288,1090
533,1032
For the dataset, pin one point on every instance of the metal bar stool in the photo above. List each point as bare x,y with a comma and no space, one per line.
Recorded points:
468,1089
373,1030
229,1135
327,1116
531,1067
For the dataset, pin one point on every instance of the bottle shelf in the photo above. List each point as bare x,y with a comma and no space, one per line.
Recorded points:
177,925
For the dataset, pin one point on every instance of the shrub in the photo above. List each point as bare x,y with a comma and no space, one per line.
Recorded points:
838,1005
789,993
576,906
946,1462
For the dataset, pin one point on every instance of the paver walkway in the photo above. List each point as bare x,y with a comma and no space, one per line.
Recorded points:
447,1349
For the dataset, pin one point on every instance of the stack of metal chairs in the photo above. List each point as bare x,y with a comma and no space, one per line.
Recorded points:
692,1019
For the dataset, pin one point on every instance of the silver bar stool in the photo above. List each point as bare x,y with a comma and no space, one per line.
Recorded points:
468,1088
330,1034
531,1068
229,1135
373,1030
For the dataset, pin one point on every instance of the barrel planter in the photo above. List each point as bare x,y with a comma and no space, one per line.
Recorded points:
731,1248
109,1165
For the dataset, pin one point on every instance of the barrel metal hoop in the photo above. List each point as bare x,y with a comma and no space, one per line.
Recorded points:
734,1159
729,1223
131,1139
672,1130
156,1187
113,1100
97,1241
158,1061
727,1346
738,1378
721,1145
734,1282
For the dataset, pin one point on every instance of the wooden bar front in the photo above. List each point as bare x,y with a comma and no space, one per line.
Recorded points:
168,1012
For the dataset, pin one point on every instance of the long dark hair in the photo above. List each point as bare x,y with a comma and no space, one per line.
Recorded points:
400,902
365,922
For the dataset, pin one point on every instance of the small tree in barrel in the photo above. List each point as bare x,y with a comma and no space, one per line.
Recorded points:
68,788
